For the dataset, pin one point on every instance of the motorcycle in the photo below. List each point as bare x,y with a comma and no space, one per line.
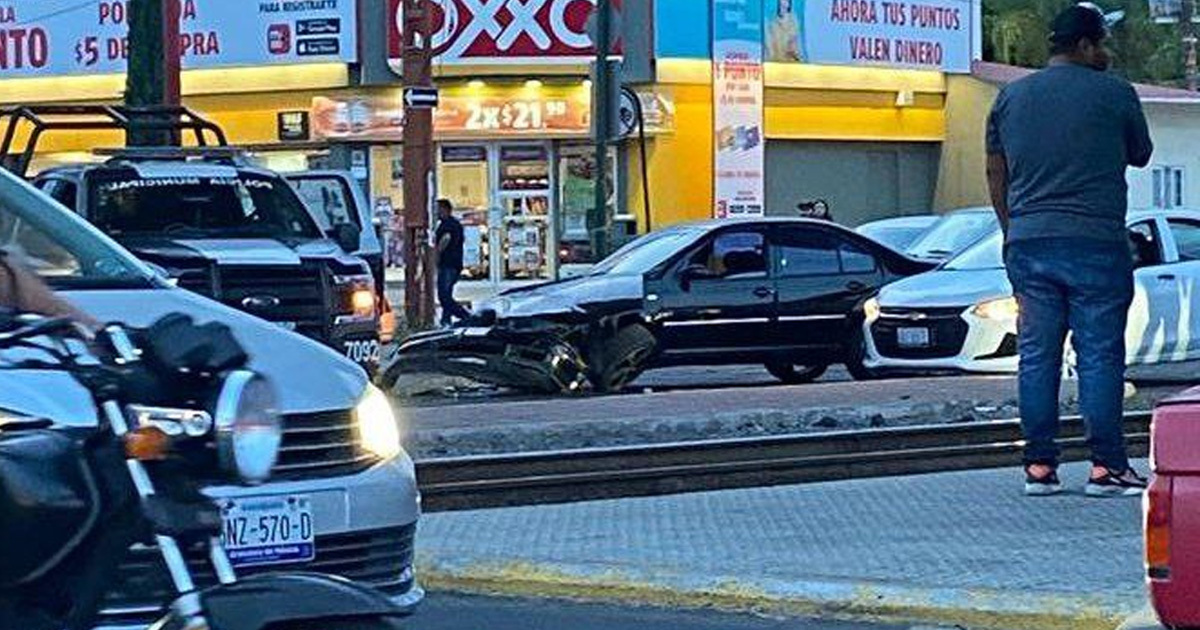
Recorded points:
175,406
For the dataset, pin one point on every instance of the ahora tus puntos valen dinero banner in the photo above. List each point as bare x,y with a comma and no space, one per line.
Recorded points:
65,37
739,153
929,34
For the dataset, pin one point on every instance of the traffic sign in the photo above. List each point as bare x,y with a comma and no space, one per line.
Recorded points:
421,97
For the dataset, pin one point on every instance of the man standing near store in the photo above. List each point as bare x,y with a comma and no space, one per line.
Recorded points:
449,237
1058,144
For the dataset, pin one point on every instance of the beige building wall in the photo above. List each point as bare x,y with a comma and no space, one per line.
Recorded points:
962,181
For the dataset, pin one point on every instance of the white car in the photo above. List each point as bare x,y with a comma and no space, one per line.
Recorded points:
898,232
963,317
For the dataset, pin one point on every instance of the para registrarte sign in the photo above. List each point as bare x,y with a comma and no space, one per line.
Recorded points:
63,37
931,34
738,146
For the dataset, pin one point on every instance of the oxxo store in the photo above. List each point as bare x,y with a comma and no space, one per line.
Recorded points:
512,128
512,155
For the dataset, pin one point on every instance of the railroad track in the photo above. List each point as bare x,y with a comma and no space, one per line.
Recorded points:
459,483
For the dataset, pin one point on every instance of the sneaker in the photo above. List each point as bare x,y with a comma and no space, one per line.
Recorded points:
1110,483
1041,483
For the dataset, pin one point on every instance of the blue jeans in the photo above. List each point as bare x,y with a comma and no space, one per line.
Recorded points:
446,279
1085,287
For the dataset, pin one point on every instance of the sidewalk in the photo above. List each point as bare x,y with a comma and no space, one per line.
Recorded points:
954,548
466,291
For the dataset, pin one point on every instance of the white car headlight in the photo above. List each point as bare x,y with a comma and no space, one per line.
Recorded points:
378,428
871,310
1000,310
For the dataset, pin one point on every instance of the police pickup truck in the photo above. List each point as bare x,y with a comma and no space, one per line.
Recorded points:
219,226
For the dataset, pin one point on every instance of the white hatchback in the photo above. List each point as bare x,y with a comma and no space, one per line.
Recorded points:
963,317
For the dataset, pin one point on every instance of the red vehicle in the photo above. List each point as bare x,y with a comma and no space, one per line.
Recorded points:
1172,512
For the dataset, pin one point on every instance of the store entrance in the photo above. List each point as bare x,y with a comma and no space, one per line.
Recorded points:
502,194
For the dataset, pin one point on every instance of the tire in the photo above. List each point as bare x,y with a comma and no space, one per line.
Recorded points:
855,355
618,360
796,374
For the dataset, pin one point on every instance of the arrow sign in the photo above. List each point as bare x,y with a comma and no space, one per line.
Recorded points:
421,97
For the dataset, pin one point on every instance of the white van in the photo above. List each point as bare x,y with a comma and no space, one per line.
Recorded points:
341,454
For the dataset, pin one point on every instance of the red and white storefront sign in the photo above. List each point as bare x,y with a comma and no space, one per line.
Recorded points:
483,32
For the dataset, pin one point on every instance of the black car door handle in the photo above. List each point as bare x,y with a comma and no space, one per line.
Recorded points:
764,292
1169,277
855,285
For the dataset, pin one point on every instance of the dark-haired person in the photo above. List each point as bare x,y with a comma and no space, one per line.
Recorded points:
450,242
1058,143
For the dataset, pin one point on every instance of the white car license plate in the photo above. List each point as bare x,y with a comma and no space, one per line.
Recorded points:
268,530
912,337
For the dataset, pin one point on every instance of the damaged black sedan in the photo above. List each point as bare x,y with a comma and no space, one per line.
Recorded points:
785,293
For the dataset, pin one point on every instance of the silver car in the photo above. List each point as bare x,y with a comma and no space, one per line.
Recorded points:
341,463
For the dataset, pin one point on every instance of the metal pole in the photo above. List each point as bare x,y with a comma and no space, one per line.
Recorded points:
1188,30
598,219
418,169
641,121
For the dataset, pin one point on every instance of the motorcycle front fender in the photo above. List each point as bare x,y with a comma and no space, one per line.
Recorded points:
276,599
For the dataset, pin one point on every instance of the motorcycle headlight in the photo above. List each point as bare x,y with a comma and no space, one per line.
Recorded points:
249,426
378,429
1001,310
871,310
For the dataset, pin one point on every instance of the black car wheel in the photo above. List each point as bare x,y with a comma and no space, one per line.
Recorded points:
618,360
796,374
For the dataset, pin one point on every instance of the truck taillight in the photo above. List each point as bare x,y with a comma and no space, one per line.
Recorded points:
1157,510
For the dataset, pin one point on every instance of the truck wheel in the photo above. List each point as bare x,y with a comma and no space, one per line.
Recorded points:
618,360
796,374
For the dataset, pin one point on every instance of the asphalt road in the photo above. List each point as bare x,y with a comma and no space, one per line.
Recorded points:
442,611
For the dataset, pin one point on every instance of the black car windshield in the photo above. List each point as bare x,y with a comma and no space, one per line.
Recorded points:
647,252
58,245
953,233
199,206
986,254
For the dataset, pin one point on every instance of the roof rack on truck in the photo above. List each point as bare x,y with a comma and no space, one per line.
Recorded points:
39,119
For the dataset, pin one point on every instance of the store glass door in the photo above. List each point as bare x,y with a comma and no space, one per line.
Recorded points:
523,192
464,177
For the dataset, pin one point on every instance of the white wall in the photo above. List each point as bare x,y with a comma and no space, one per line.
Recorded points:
1175,129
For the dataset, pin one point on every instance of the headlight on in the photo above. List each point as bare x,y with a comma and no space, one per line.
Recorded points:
378,429
249,427
871,310
1001,310
359,295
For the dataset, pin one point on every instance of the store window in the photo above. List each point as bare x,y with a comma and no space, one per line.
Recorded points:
524,190
1168,186
577,196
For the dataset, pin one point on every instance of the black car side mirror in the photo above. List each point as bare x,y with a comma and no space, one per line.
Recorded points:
346,235
691,273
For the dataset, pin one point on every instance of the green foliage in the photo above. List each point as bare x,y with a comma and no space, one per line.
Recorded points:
1015,31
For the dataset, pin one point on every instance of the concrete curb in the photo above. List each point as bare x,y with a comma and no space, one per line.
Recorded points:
965,608
1144,619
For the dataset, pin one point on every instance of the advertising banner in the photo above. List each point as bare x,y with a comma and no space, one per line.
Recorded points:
929,34
738,107
549,111
64,37
486,32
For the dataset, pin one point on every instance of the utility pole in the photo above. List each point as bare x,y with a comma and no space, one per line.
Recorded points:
418,167
598,221
1188,30
152,79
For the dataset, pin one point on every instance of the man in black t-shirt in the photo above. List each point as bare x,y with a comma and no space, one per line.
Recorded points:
449,262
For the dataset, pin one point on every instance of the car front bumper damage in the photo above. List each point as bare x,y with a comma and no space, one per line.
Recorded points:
536,359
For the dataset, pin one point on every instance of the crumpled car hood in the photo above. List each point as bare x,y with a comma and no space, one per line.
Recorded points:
565,296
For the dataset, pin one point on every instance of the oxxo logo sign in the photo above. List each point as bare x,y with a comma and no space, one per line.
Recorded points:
483,31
